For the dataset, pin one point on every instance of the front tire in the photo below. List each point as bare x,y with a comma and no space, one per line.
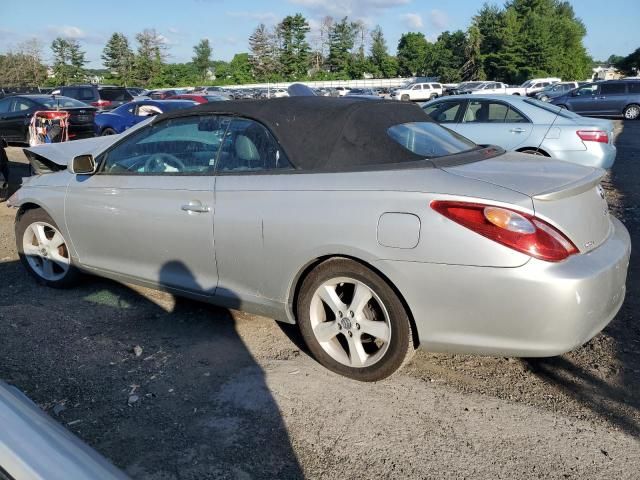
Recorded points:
108,131
43,250
353,322
631,112
405,98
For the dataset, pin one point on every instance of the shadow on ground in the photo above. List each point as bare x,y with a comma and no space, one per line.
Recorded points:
612,394
191,405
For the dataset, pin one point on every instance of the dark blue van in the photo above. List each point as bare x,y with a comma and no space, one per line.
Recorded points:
610,98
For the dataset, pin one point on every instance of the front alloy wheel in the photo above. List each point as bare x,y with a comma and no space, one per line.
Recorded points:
353,321
632,112
43,249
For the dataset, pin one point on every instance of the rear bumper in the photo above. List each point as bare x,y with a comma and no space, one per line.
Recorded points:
539,309
599,155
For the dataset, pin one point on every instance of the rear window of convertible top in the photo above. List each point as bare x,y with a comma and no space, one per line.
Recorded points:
429,140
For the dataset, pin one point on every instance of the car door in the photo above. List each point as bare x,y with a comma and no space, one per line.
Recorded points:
5,130
492,122
583,100
147,214
16,120
248,200
612,98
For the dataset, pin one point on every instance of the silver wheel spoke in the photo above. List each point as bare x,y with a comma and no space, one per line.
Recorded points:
361,297
38,231
63,262
30,249
329,296
357,355
377,329
57,241
325,331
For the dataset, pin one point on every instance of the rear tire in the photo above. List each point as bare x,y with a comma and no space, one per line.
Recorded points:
631,112
564,106
108,131
532,151
353,322
43,250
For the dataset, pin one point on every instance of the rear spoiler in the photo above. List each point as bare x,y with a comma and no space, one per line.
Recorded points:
574,188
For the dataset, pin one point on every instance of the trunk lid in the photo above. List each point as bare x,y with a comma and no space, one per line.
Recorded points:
567,195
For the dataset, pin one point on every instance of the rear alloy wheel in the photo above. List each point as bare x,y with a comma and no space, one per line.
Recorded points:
43,250
108,131
632,112
353,322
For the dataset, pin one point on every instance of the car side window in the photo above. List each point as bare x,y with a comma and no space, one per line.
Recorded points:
85,94
70,92
513,116
444,112
613,89
20,105
177,146
634,87
587,90
4,105
485,112
250,147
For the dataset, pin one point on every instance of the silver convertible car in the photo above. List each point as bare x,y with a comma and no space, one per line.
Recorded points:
527,125
366,223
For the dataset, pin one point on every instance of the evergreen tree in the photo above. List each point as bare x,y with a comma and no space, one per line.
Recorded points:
151,56
202,58
118,57
294,49
68,60
342,39
446,58
630,64
264,53
384,65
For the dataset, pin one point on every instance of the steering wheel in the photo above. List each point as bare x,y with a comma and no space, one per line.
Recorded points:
158,162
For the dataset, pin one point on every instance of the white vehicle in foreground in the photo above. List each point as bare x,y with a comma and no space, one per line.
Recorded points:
418,92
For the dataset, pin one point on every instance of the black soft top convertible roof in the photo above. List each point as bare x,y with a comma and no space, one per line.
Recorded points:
325,133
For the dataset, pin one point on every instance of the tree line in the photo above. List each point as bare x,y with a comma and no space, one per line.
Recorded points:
522,39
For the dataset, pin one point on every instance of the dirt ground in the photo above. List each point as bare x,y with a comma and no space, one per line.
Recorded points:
222,394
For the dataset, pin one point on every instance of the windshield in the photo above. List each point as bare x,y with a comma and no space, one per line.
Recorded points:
471,84
429,139
526,84
62,102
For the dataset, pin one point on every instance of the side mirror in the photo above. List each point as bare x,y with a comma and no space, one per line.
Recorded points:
82,165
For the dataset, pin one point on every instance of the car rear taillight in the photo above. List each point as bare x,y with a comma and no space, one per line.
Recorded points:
101,103
593,136
517,230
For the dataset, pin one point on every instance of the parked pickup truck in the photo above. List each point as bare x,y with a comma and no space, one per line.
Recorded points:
528,88
418,92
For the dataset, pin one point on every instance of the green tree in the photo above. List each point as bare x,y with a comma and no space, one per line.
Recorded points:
151,56
68,60
202,58
118,57
295,51
240,68
384,65
264,53
446,58
342,38
630,65
412,54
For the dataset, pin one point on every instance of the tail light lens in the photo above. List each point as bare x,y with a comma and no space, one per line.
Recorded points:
599,136
517,230
101,103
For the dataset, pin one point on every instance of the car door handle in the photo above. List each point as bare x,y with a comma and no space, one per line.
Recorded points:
517,130
195,206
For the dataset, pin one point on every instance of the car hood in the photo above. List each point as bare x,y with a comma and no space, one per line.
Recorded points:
61,153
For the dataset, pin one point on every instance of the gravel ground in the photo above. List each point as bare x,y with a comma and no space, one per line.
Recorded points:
221,394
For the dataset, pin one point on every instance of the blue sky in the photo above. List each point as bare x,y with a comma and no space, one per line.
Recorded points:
612,26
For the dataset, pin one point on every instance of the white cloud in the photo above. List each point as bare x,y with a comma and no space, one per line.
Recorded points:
438,19
71,32
412,21
173,30
356,9
265,17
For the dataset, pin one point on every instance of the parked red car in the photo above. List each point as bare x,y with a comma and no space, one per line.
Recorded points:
199,98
